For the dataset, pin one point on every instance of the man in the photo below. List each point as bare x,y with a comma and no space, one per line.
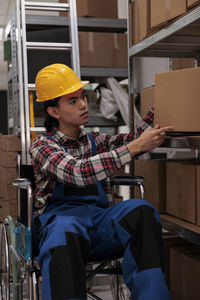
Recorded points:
73,222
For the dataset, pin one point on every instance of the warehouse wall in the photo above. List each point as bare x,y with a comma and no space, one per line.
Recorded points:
146,68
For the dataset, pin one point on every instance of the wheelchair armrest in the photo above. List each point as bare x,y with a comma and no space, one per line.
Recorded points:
127,180
22,183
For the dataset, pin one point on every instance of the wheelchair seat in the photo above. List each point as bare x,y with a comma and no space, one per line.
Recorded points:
107,265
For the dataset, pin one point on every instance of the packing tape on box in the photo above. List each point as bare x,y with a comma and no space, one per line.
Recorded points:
116,41
168,7
91,42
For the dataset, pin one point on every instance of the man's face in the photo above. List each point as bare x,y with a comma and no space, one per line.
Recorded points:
72,109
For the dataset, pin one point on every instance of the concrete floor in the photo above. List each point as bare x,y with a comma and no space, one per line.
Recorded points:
102,286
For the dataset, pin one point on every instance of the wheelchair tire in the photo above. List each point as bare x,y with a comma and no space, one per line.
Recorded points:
16,281
118,288
4,264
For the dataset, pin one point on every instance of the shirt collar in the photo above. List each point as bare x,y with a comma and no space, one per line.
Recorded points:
61,137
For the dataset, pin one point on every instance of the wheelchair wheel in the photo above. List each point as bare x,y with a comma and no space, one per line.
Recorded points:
10,273
4,264
118,288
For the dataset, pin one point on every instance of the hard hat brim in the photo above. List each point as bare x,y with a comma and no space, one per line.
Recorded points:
70,90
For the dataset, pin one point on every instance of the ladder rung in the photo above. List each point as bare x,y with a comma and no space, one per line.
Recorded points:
47,6
31,87
48,46
37,129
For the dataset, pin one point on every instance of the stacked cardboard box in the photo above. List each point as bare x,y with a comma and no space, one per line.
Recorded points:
141,16
182,63
192,3
170,241
177,99
163,11
180,191
183,191
9,147
98,49
184,272
95,8
147,100
150,16
101,49
154,181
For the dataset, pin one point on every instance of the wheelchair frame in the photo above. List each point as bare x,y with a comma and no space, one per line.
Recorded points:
16,266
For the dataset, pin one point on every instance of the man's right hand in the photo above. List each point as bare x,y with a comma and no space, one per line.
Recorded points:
149,140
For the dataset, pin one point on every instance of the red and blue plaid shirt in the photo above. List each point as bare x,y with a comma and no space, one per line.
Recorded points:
56,157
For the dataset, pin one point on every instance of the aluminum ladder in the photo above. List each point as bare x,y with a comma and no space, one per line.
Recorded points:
22,46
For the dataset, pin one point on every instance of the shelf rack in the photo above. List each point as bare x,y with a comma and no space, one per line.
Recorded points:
35,22
84,24
186,230
179,39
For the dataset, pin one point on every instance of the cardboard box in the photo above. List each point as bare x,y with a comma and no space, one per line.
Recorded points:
182,63
177,99
10,143
142,10
184,273
154,182
9,159
181,190
147,100
8,175
191,3
8,191
170,241
163,11
95,8
132,20
99,49
140,20
8,208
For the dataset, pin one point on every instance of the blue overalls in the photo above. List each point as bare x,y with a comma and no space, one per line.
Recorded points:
78,226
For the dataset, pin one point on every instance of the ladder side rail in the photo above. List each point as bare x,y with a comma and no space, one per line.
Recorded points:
74,38
25,73
15,106
20,79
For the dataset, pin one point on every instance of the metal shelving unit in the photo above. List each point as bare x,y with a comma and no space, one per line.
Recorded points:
178,39
35,22
84,24
181,228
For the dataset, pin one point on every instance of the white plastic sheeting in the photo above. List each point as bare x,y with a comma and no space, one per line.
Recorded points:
108,106
121,98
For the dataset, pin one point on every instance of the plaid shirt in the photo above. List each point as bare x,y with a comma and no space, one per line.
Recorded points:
56,157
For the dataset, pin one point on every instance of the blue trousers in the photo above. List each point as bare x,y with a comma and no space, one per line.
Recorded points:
71,235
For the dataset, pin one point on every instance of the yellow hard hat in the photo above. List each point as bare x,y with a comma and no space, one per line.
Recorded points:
56,80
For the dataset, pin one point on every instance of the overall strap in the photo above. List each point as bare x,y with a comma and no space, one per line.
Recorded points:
94,149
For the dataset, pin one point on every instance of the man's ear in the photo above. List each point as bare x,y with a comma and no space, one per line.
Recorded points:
52,111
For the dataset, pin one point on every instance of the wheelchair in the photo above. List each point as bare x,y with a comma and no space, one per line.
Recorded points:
18,267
